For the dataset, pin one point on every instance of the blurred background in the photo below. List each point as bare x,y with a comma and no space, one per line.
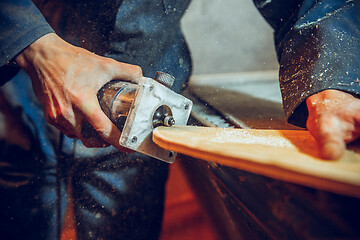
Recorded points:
228,36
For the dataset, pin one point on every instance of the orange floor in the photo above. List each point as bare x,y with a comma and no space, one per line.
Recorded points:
183,217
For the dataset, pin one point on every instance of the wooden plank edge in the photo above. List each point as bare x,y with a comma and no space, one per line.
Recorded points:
266,170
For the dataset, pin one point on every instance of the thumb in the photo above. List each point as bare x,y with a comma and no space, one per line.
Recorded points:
125,71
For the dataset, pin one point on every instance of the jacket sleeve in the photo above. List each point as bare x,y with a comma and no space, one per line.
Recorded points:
21,23
318,46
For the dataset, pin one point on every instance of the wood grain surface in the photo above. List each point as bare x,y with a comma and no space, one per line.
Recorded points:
288,155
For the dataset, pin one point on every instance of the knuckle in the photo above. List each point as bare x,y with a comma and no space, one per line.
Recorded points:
105,64
108,64
136,70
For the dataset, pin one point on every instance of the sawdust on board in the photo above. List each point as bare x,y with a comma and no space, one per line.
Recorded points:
247,137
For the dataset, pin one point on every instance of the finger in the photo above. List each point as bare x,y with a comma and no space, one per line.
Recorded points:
60,115
90,137
357,121
94,142
87,134
63,126
102,124
354,134
124,71
330,137
332,148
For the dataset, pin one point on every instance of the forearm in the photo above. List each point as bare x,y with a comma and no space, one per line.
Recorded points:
316,43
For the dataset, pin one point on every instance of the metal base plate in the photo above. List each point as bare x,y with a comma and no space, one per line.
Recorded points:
137,132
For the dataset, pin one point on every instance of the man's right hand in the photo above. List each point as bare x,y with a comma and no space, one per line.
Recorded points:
66,80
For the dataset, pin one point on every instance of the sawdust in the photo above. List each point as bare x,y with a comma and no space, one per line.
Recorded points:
246,137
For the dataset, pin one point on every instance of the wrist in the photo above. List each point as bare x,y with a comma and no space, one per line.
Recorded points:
327,100
28,56
324,96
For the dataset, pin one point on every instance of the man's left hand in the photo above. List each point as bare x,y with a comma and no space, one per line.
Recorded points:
334,121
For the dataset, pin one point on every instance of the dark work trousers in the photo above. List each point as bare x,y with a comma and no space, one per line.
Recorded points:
115,195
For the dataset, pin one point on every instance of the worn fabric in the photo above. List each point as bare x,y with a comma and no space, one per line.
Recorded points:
143,32
21,24
115,196
317,44
316,41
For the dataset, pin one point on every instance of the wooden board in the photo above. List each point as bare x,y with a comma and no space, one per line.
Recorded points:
288,155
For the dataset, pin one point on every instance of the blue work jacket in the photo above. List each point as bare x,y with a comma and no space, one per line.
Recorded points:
317,42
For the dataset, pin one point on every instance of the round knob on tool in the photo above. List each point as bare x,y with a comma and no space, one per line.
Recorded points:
164,78
169,121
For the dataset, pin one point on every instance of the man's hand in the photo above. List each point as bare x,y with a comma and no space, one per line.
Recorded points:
334,120
66,80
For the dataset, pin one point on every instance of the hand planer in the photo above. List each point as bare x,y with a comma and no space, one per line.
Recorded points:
137,109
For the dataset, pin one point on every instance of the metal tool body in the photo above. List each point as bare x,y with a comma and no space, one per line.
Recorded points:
136,109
